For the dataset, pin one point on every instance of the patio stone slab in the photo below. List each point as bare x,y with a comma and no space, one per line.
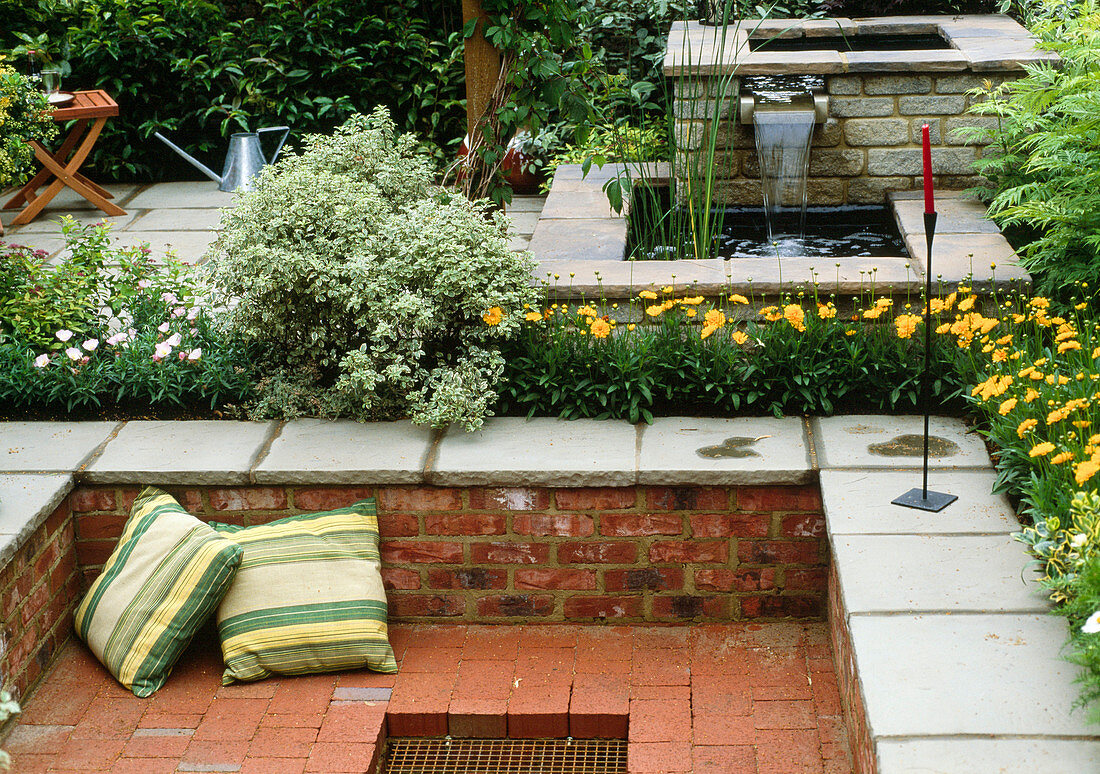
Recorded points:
318,451
857,502
966,756
203,193
537,452
723,452
25,501
955,215
956,257
179,219
68,200
864,441
50,446
181,453
578,204
925,573
580,239
50,221
189,246
952,675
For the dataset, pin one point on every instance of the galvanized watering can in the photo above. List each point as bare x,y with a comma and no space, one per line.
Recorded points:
243,162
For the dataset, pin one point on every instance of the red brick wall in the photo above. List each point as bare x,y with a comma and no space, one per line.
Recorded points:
512,554
851,693
39,587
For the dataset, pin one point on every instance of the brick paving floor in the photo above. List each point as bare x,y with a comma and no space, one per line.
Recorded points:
728,699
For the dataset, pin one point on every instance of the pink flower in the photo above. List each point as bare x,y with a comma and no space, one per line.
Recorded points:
179,311
64,335
90,345
163,327
168,298
143,284
74,354
174,340
42,361
183,355
163,349
194,354
192,313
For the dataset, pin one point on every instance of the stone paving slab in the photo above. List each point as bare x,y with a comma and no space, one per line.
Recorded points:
25,501
181,453
319,451
580,239
578,204
50,446
68,199
957,257
537,452
957,675
189,246
955,215
990,756
184,194
866,441
179,219
723,452
49,223
857,502
934,573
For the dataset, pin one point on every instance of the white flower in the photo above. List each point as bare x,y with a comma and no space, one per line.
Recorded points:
143,284
194,354
74,354
163,349
168,298
192,313
179,311
117,338
90,345
64,335
163,327
42,361
174,340
1079,540
1092,625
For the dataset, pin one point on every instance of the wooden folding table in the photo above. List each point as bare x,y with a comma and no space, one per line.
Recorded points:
90,110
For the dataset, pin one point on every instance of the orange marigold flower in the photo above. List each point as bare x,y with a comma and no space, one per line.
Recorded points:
1000,355
771,313
826,311
1006,406
966,304
587,311
1061,457
600,328
715,318
493,316
1041,449
793,314
1026,425
906,325
737,298
1085,470
873,313
1030,395
739,336
1067,346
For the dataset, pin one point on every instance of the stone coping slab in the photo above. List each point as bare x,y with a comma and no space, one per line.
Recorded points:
196,452
308,451
934,573
50,446
707,451
25,502
967,756
857,502
959,675
866,441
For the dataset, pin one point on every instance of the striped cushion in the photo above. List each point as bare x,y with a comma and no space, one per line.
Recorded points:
165,577
308,597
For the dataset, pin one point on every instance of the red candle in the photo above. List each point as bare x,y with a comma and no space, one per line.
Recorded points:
929,203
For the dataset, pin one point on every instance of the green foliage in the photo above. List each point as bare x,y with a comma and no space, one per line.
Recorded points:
8,707
1045,168
198,72
1083,612
24,115
379,294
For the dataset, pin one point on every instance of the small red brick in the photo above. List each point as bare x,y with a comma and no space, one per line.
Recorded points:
803,525
92,553
689,551
397,525
100,526
124,498
552,579
685,607
807,579
463,524
644,579
596,498
88,499
683,498
778,498
471,578
509,499
419,499
659,757
712,525
420,551
515,605
413,605
398,578
46,558
635,524
539,711
510,553
598,707
597,553
724,579
602,607
553,525
248,498
329,498
779,552
190,499
660,721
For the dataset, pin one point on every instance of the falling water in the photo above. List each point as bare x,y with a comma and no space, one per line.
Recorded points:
784,121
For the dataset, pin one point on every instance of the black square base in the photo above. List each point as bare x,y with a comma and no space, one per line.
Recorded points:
935,502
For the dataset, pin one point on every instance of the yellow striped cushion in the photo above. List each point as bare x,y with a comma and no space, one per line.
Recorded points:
308,597
166,575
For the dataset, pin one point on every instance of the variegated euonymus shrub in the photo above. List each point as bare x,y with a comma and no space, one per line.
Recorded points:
374,293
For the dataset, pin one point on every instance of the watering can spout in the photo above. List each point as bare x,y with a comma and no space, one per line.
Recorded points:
189,158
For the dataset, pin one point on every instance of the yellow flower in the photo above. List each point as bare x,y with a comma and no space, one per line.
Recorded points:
655,310
1041,449
943,328
906,325
1026,425
1066,346
600,329
826,311
966,304
666,289
1085,470
587,311
874,313
648,294
740,337
1006,406
1007,339
1057,416
1030,395
1061,457
771,313
692,300
533,317
493,316
737,298
1039,303
631,326
690,312
715,318
1000,355
793,314
1096,353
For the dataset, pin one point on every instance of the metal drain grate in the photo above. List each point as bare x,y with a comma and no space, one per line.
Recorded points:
505,756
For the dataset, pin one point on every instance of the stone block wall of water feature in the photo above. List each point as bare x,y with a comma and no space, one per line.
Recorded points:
878,99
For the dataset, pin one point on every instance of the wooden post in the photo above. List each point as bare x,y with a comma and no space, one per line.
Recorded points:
482,66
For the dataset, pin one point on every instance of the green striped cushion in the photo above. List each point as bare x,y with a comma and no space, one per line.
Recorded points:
308,597
165,577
